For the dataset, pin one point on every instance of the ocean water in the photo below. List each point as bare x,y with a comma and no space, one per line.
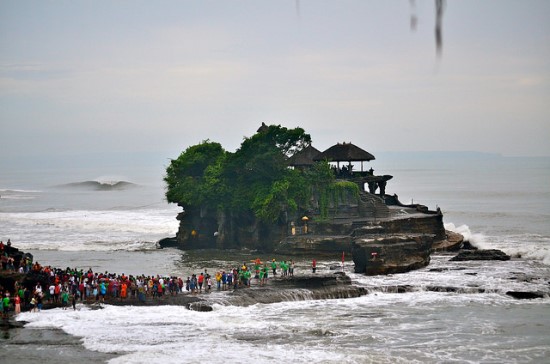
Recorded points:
452,312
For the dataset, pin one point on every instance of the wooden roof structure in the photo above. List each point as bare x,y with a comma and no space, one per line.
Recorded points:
345,152
304,158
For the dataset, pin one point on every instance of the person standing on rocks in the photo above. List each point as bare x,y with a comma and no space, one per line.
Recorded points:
201,281
284,268
6,305
17,305
51,288
313,265
261,275
219,280
274,267
65,299
208,284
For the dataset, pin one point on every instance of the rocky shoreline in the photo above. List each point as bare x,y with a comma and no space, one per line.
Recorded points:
24,345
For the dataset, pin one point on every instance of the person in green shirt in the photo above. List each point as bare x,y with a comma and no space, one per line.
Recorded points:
274,267
6,305
65,299
247,276
262,274
284,268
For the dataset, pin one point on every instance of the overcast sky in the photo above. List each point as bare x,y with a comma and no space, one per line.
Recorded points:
79,77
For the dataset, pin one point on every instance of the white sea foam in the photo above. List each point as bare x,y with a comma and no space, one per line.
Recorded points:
529,246
478,240
381,328
2,191
143,335
526,245
9,194
88,230
469,277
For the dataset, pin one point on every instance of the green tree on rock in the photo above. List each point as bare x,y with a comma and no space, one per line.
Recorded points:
221,191
191,179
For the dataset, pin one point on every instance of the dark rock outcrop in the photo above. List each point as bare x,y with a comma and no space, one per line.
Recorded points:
416,223
466,245
16,254
376,248
393,254
168,243
523,295
452,242
203,228
298,288
490,254
8,278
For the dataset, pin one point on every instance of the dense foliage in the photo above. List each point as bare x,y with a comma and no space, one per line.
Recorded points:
255,178
192,179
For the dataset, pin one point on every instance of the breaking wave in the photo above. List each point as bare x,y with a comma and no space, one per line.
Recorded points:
525,245
477,240
99,185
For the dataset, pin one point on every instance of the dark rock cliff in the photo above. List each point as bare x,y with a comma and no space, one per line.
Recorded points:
383,235
393,254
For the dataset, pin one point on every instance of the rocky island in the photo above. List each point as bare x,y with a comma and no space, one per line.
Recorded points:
278,193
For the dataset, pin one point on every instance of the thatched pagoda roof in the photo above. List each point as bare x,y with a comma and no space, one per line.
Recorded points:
345,152
305,157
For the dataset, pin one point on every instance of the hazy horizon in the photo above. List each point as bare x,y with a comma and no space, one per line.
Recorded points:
150,168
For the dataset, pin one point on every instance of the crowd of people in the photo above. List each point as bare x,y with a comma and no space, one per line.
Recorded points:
66,287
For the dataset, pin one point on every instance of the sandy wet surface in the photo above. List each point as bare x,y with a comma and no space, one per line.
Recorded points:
22,345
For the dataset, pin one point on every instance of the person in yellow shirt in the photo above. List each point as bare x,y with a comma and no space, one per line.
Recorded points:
219,279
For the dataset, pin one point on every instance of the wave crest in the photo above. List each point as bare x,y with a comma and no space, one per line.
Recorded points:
100,185
477,240
526,246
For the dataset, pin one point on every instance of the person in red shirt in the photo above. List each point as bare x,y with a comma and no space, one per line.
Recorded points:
17,304
201,281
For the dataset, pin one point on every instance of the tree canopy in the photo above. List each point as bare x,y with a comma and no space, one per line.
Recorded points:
191,178
255,179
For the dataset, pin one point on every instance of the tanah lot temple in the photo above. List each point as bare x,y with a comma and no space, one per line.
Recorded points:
352,216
